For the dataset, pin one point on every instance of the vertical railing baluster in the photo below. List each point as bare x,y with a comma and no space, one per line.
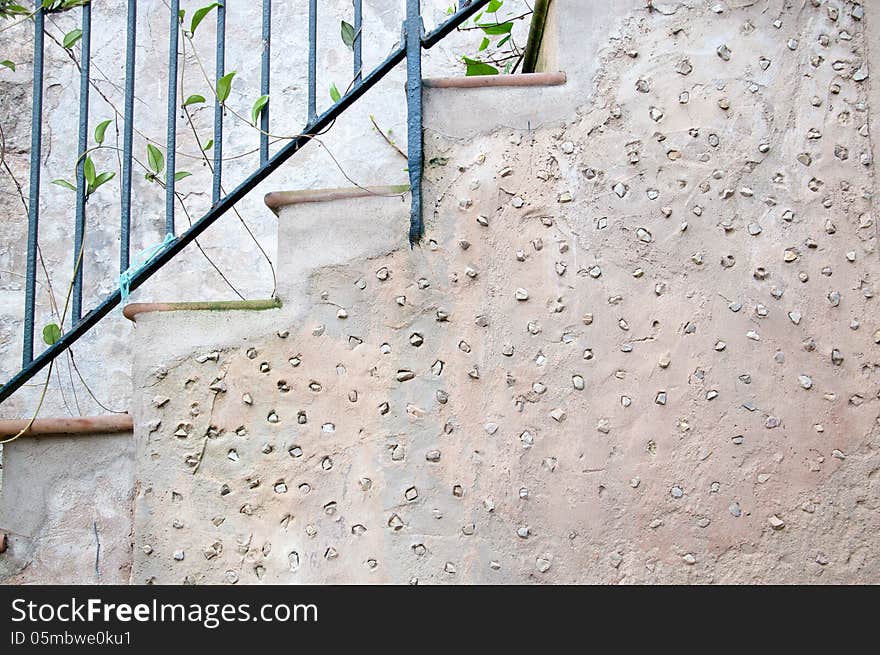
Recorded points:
357,45
127,137
413,29
264,81
313,59
219,71
81,182
27,354
171,137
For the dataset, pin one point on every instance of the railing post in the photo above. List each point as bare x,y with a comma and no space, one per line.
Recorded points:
79,230
313,61
265,70
171,137
357,45
27,354
220,71
414,29
127,137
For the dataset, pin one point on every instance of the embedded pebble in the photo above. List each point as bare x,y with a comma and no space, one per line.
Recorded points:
775,522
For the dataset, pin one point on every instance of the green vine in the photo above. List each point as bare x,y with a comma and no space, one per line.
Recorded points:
498,51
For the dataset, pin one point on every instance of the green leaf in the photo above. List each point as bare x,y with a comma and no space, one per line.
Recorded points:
179,175
494,6
89,171
208,145
258,107
106,176
334,92
224,86
9,64
100,129
72,37
348,34
484,44
503,41
496,30
199,16
180,14
475,67
8,11
155,158
51,334
64,183
193,99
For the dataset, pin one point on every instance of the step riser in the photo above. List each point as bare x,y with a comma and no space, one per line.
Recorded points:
313,235
449,111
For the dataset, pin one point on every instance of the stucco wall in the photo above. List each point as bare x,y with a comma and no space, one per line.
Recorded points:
65,509
639,346
656,359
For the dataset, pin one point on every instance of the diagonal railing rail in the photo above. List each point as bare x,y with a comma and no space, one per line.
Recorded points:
410,49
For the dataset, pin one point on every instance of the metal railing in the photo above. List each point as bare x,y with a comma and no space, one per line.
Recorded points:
410,49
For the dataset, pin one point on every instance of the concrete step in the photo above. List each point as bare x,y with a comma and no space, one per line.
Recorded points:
462,107
323,227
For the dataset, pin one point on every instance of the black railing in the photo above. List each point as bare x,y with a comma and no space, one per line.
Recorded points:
410,50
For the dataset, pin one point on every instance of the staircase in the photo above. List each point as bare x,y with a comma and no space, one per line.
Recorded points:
133,275
268,385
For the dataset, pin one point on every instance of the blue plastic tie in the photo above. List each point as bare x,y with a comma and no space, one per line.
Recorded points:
141,259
